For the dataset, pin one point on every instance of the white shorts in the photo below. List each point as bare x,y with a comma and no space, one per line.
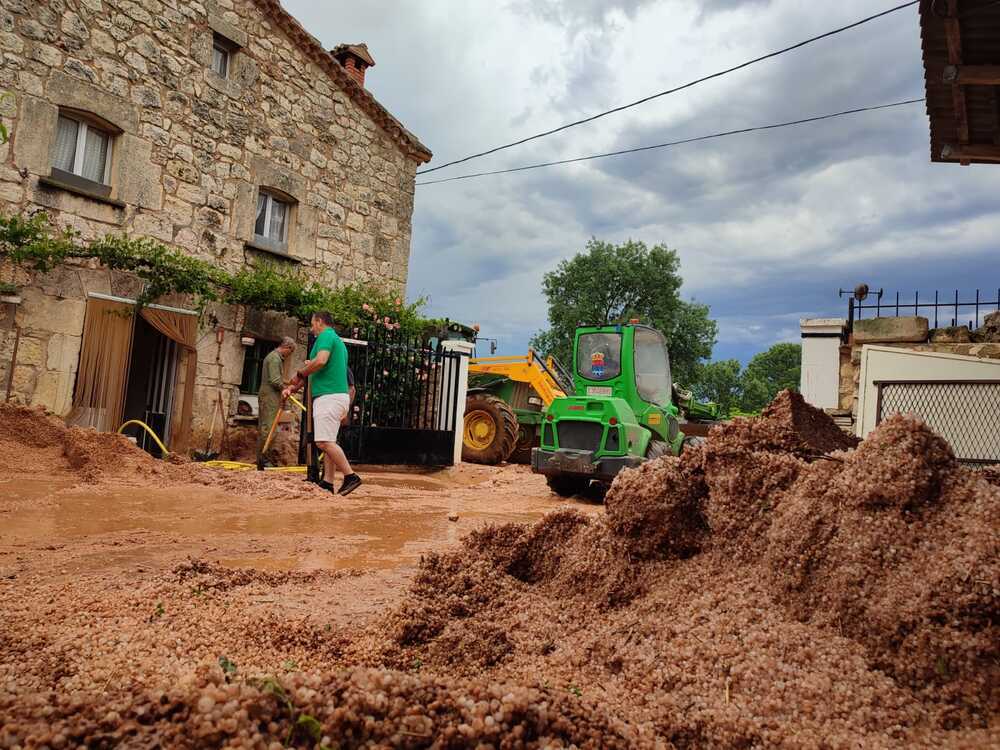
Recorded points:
328,410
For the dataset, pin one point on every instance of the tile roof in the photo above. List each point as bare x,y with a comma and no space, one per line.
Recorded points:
311,46
948,105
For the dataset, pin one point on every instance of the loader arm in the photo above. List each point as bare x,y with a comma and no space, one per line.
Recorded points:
521,369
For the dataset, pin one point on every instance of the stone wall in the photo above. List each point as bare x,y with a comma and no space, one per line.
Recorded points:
911,333
190,151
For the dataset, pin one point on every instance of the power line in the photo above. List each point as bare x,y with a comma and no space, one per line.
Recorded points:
675,143
669,91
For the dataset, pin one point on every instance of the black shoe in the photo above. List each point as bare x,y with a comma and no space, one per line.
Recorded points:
325,485
351,483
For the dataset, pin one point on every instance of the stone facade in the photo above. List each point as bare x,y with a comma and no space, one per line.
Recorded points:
911,333
190,151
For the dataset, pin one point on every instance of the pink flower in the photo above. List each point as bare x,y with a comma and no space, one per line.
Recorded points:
386,319
398,301
365,307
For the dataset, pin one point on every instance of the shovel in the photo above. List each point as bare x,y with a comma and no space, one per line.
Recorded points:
270,437
208,454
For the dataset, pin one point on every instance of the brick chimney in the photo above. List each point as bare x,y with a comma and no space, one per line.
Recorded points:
355,58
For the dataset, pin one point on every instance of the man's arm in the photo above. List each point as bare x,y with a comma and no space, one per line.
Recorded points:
272,372
310,366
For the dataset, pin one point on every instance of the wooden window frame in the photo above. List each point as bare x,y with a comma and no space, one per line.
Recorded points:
266,241
229,49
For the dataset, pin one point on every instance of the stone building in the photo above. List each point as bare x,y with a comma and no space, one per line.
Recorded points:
218,126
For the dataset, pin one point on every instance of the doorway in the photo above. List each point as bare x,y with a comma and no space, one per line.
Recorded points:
149,395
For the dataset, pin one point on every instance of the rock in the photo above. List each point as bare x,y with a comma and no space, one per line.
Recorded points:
885,330
453,517
951,335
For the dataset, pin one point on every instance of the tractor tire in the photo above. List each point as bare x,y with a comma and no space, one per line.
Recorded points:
527,438
490,432
657,448
567,486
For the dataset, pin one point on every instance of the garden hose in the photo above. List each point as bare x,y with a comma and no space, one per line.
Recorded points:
148,429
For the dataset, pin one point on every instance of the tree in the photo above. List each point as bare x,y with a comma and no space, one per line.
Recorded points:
721,383
610,284
770,372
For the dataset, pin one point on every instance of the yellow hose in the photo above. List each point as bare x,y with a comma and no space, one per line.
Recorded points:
147,428
239,466
296,402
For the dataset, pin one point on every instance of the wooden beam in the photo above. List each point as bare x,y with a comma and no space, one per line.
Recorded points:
953,35
967,152
972,75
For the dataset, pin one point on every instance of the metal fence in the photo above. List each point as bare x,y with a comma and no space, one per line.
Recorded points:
947,308
966,413
406,407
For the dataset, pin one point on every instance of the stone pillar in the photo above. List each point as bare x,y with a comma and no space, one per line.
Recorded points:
465,349
820,374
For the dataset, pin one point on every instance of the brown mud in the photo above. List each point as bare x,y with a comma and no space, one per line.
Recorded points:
775,587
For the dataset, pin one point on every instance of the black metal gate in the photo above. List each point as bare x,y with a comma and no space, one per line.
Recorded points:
406,406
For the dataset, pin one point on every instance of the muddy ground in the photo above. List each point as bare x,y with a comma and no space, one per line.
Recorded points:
780,587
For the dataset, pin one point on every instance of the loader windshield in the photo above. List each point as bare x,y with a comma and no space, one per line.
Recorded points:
652,367
599,356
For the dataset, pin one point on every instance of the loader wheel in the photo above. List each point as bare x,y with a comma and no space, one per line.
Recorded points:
527,438
568,486
657,448
490,432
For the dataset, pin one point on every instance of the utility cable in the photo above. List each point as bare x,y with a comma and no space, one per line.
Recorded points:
675,143
670,91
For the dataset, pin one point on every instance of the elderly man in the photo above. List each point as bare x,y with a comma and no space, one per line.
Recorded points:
269,399
326,371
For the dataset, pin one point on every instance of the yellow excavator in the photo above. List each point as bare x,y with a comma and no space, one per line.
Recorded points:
506,403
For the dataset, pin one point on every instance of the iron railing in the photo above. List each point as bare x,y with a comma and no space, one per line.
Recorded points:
406,408
966,413
962,311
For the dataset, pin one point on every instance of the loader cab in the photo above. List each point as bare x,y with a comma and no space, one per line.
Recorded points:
627,361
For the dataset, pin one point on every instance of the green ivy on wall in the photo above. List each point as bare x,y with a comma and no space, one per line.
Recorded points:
33,242
4,135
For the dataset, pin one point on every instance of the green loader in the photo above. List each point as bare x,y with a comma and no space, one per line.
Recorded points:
624,410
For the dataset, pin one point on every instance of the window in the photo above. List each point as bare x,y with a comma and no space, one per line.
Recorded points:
271,224
253,361
223,51
83,149
599,356
652,367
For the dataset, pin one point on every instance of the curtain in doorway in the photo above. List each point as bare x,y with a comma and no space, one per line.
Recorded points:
102,374
182,328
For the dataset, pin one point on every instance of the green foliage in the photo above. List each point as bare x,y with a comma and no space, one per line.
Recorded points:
747,392
770,372
228,667
612,283
720,383
4,135
34,243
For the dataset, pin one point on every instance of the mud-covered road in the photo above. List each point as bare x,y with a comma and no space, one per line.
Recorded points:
57,530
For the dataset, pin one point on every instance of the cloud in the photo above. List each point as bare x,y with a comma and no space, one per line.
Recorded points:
767,225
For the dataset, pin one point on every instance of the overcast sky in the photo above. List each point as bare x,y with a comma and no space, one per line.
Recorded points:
767,225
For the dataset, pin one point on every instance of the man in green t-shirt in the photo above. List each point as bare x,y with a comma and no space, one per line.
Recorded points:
326,369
